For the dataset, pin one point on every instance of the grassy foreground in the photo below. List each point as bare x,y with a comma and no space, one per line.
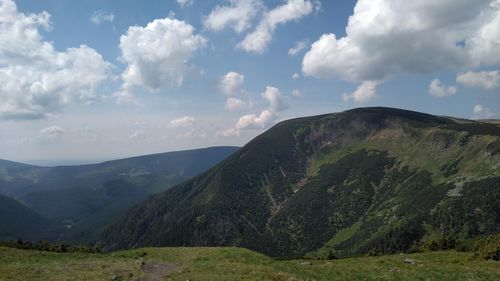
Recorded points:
236,264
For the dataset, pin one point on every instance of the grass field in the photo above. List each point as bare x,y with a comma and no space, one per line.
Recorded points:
236,264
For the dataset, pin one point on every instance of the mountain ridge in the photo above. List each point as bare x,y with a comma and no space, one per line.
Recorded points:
4,162
86,198
292,189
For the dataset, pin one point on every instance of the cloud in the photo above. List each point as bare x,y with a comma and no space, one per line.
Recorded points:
363,94
51,132
276,100
388,37
237,14
158,54
439,90
277,104
231,83
137,134
185,121
185,3
86,135
234,104
295,76
298,47
99,16
37,81
487,80
228,133
253,121
292,10
481,112
296,93
191,134
124,97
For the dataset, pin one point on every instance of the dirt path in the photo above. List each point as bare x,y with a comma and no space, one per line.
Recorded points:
158,271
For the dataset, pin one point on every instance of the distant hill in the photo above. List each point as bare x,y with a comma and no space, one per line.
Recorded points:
86,198
367,180
18,221
19,179
494,121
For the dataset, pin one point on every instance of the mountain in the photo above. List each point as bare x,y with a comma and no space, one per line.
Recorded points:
86,198
376,180
18,221
20,179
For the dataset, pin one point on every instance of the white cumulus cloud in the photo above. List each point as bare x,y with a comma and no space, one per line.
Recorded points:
35,79
481,112
237,14
292,10
185,121
234,104
231,83
158,54
487,80
363,94
51,132
387,37
298,47
99,16
439,90
277,104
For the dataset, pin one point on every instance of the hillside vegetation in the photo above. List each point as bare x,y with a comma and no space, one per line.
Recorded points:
368,180
84,199
17,220
237,264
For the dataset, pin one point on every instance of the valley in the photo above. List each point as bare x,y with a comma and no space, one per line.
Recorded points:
78,202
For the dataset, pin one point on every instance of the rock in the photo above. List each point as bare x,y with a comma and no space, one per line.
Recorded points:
410,261
394,269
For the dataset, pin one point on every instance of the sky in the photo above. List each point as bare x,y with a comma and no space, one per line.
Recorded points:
86,81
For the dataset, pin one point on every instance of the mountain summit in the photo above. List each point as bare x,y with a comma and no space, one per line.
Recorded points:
377,180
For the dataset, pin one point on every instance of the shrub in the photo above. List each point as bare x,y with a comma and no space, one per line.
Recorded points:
443,243
489,249
44,245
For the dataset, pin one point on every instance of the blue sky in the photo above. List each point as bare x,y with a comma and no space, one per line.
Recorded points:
107,79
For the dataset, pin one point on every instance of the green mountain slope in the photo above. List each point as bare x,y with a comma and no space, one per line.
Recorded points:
18,221
86,198
365,180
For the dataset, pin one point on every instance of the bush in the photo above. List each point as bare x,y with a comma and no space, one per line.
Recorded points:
489,249
467,245
443,243
44,245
